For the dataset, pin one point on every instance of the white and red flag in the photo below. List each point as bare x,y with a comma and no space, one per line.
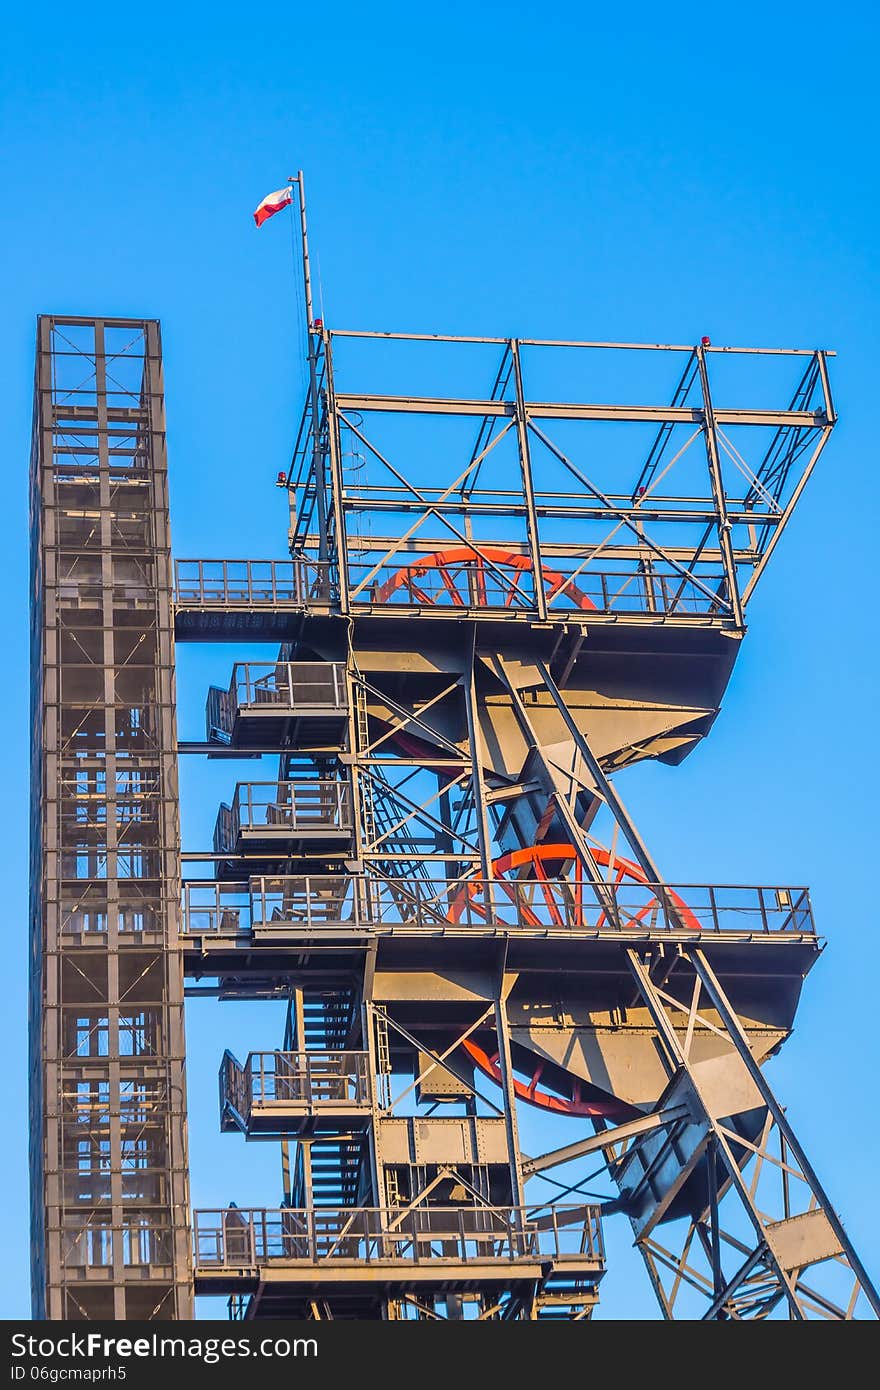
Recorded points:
272,203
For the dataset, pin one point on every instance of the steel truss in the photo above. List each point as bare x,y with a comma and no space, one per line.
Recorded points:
436,806
109,1197
503,1024
769,1182
729,1216
697,550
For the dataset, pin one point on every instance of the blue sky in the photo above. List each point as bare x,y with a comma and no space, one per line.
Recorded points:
633,174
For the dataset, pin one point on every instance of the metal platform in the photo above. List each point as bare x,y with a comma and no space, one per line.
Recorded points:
279,704
280,819
433,1251
290,1093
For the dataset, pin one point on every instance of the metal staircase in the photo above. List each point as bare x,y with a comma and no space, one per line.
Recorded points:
327,1020
335,1170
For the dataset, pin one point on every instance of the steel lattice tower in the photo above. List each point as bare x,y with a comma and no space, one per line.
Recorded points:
109,1219
500,595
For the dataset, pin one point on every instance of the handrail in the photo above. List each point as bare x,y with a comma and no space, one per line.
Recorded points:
274,688
280,1079
302,583
365,901
283,808
311,802
236,1237
288,684
142,1240
222,583
449,578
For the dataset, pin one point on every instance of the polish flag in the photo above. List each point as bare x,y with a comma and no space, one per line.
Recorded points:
272,203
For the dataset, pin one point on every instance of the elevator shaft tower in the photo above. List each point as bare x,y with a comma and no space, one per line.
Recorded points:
109,1204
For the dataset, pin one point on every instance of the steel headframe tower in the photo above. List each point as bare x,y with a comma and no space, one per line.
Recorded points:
501,1018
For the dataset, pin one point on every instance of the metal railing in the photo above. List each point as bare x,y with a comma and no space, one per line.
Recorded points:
622,591
252,583
296,685
240,1237
303,1079
570,585
552,906
216,907
282,809
134,1243
275,687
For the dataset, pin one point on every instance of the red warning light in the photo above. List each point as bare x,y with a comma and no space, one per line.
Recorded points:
706,342
317,325
281,480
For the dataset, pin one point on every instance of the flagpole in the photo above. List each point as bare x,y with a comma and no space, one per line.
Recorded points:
313,338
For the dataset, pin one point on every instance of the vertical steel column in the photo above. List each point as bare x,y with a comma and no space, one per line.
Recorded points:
336,478
357,769
477,782
109,1179
525,463
783,520
717,482
368,1025
505,1066
44,913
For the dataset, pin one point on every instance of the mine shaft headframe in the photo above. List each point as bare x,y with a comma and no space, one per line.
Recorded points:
676,490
